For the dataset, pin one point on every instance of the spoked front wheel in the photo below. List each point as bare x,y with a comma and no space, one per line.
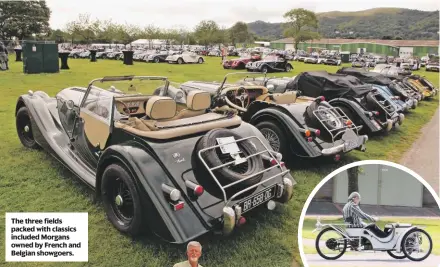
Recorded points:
417,245
330,244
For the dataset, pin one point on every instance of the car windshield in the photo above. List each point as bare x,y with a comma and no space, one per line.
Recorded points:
139,85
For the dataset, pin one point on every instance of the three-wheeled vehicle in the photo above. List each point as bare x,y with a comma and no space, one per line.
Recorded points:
399,240
179,176
306,128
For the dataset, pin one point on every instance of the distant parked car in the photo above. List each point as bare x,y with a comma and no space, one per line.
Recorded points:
271,63
185,57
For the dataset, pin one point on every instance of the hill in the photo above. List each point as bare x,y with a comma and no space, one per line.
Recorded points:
376,23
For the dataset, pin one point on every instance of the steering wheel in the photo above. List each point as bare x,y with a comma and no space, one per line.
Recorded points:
242,95
125,109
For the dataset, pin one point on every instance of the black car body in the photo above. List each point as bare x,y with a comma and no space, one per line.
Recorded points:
271,63
361,102
153,171
157,57
404,99
293,127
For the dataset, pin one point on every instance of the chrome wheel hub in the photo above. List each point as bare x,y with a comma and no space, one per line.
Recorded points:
118,200
26,128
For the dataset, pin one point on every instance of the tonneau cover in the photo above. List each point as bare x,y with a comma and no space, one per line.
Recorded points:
366,76
322,83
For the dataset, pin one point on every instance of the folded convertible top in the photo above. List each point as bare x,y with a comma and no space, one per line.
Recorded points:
322,83
366,76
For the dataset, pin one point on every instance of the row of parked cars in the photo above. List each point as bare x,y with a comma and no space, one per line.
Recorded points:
196,157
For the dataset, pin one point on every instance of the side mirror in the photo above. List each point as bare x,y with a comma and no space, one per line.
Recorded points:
70,105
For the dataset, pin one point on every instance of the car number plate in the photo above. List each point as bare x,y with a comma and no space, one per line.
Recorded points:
349,145
257,199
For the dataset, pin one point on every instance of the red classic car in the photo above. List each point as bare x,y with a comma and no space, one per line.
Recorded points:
240,63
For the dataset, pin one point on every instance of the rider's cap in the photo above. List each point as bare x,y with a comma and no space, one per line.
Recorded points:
353,195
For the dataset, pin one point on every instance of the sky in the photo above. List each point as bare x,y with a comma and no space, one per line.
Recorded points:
187,13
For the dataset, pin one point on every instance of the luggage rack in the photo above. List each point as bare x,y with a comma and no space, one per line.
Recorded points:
272,154
382,104
340,130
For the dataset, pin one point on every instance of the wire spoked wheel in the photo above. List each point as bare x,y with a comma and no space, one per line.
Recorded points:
330,244
398,256
330,117
417,245
121,199
272,138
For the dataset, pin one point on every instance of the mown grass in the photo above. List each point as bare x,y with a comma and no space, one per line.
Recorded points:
33,181
430,225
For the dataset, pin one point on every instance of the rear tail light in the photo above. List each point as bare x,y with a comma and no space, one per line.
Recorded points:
241,221
349,123
178,206
307,133
337,157
195,188
309,139
322,98
274,162
171,192
377,113
317,132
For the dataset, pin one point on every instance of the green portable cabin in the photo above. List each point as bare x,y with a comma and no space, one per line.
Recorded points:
345,57
40,57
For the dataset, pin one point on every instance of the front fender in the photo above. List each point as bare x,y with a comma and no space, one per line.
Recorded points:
174,226
400,239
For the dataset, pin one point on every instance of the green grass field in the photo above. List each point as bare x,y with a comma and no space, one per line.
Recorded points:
430,225
34,181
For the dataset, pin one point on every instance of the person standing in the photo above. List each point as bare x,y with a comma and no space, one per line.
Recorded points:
224,52
3,57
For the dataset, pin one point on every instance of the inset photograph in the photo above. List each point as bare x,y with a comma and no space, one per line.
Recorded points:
370,215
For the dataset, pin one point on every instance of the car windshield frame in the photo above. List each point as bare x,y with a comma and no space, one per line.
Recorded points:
92,85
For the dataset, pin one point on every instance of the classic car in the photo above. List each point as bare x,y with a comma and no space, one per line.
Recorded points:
363,104
240,63
270,63
391,71
336,61
405,100
185,57
305,128
176,174
115,55
363,63
432,66
214,53
314,60
158,56
420,85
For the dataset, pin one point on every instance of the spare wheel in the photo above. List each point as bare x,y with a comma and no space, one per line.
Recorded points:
329,116
231,173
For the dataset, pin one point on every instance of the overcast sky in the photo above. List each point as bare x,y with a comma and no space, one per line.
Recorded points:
187,13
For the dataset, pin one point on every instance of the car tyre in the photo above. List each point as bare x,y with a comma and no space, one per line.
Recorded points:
118,185
179,61
274,136
408,255
200,61
156,60
23,124
227,175
264,69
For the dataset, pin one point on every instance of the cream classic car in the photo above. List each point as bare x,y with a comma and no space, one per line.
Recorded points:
185,57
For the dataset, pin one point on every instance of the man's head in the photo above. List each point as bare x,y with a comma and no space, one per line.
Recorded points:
193,251
355,197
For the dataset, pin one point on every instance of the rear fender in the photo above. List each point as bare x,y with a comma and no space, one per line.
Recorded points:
400,239
356,109
174,226
289,127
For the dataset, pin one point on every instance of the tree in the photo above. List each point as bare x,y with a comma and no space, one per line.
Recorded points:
150,33
207,32
23,18
239,33
301,25
84,27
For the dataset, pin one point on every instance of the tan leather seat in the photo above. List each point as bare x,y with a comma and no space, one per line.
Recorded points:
279,98
197,102
160,108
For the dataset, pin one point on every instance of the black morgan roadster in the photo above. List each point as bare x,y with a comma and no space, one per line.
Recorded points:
305,128
175,170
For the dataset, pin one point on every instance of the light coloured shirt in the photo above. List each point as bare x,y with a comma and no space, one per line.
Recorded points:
185,264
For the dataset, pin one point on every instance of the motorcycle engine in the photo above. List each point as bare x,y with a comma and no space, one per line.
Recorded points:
331,243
